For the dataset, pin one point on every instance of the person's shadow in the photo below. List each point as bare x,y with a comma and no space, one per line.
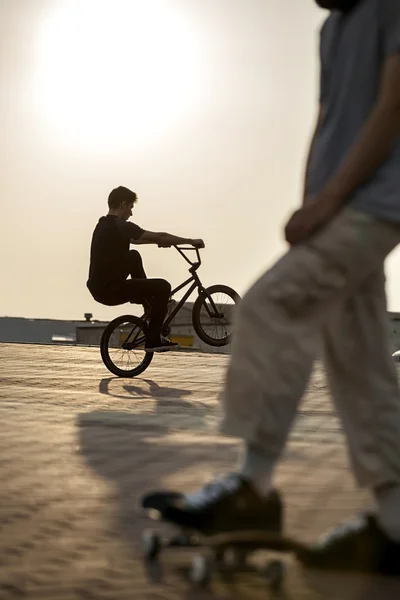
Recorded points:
138,455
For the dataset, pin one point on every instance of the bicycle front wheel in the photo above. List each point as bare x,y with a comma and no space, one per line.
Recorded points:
214,315
122,346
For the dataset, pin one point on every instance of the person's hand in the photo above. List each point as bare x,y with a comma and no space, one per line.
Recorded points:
198,243
311,217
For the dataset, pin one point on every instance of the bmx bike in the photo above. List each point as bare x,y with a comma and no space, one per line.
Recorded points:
213,316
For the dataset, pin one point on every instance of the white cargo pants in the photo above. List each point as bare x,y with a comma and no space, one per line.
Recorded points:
332,287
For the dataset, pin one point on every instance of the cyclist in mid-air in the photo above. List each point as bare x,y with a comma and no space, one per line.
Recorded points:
112,262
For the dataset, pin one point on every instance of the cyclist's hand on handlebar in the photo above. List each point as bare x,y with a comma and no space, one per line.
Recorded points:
198,243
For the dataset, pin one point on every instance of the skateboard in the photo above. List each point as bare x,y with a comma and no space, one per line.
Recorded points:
223,552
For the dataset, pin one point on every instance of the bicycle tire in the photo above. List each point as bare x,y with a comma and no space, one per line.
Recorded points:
143,358
204,328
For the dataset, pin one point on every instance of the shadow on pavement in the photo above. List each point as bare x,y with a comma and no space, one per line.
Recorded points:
349,586
137,456
137,391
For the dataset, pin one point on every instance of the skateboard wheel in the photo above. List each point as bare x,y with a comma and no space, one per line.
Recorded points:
151,545
234,558
275,573
201,571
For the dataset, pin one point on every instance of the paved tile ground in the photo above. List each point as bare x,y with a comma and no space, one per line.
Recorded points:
78,447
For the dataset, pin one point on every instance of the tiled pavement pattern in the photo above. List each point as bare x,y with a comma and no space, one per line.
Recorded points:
79,446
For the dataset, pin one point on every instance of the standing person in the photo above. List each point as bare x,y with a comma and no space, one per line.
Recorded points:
330,283
112,262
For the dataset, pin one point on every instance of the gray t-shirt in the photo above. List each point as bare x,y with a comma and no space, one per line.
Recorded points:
353,49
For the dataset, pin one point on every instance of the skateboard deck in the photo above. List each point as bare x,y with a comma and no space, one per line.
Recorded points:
222,551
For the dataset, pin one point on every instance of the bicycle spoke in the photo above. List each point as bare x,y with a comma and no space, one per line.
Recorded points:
123,347
217,315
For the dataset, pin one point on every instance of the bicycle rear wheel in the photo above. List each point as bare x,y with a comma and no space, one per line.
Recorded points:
214,315
122,346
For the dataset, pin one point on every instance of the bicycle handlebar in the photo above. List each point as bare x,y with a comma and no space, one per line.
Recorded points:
181,250
190,247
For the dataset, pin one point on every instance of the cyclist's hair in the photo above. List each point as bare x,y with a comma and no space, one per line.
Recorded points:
119,195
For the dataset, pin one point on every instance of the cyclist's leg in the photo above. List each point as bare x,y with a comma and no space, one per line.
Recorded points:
134,268
135,265
155,293
152,292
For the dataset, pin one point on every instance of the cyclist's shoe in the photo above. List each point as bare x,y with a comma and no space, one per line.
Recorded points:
359,545
163,344
227,506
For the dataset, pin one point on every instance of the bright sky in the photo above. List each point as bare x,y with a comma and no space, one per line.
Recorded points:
203,107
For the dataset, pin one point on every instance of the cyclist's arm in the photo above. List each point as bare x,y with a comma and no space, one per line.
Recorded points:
165,239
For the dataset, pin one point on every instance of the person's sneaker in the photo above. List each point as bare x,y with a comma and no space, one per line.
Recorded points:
227,505
163,344
359,545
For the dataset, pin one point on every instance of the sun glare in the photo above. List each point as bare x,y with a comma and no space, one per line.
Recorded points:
115,71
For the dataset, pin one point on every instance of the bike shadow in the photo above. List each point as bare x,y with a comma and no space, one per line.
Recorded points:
151,388
166,398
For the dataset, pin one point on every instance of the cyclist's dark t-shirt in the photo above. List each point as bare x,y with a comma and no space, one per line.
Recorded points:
109,253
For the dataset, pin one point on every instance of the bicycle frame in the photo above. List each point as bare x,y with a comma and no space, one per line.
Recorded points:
196,283
194,266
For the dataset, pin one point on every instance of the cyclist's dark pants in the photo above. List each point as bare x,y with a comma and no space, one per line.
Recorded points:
140,290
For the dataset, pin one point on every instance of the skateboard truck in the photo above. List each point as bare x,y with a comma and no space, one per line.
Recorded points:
228,556
226,552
